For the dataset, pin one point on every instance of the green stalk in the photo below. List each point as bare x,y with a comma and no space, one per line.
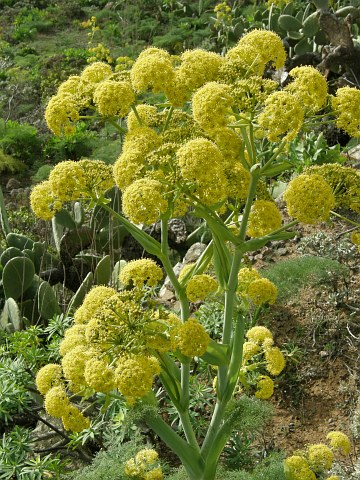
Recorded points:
226,375
5,227
345,219
185,313
168,117
133,108
189,456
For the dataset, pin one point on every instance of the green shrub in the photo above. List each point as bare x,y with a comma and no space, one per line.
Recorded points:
20,141
9,164
71,147
293,274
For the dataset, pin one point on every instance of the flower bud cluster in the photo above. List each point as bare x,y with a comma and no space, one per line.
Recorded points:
318,459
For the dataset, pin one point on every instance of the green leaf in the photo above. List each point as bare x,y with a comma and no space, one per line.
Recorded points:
115,282
288,9
18,275
79,295
295,35
216,354
102,272
47,302
273,170
10,318
311,25
349,10
64,219
321,4
19,241
303,46
9,253
289,23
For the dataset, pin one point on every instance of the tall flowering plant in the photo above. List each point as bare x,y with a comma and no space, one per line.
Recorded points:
209,149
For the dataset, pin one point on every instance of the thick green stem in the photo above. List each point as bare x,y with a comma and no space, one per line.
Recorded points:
188,454
185,313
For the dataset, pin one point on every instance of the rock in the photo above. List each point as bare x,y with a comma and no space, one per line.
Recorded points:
194,252
12,184
281,251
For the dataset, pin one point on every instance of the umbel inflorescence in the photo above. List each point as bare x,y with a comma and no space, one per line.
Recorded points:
204,134
191,151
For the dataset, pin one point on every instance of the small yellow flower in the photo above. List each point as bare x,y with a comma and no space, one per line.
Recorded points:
282,117
346,105
200,286
99,376
141,272
56,402
152,70
74,420
264,218
42,201
265,387
114,98
191,338
298,468
262,291
48,377
320,457
143,201
339,441
309,86
275,361
309,199
258,334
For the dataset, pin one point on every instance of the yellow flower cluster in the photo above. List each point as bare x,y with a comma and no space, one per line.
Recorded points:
194,158
199,67
309,86
212,105
264,218
97,87
141,272
259,353
264,387
143,201
318,459
70,181
249,92
113,98
309,198
48,377
252,286
256,49
191,338
61,113
298,468
152,70
339,442
200,286
344,181
282,117
262,291
134,376
223,14
50,382
43,202
346,105
144,466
